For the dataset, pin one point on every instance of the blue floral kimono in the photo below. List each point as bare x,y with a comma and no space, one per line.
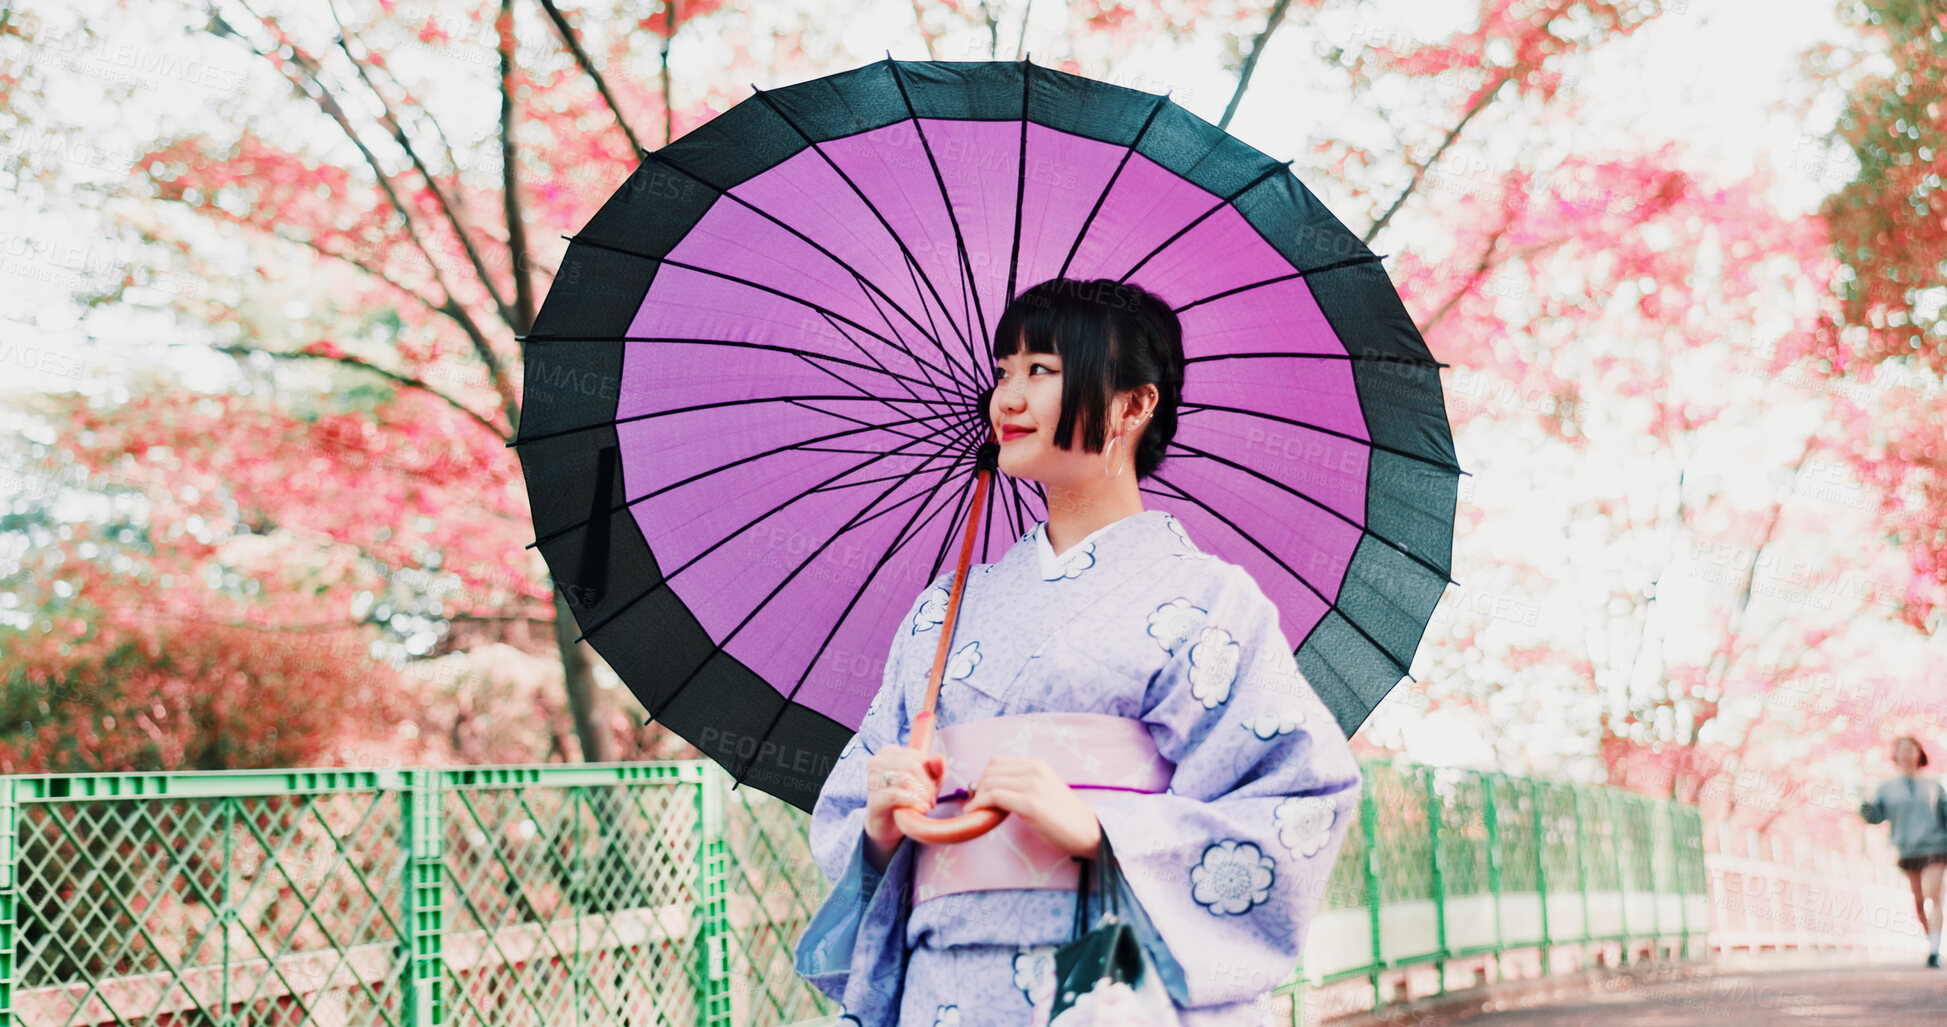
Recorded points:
1225,869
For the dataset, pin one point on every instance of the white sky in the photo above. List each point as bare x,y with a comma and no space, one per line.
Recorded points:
1710,74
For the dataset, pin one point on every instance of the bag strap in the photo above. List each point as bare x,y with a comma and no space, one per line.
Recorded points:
1109,877
1081,896
1108,881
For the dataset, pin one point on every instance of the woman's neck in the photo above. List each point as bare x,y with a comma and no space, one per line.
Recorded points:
1074,515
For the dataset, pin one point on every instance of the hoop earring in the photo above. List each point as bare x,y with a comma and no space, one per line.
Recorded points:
1117,441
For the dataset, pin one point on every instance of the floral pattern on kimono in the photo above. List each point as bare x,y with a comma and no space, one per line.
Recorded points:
1222,872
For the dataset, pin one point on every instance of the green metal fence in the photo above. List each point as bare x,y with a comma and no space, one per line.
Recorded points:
652,894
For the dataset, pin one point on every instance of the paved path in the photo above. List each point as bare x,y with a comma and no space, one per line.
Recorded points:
1873,995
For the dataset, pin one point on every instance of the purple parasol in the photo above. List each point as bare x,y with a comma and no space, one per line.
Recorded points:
753,396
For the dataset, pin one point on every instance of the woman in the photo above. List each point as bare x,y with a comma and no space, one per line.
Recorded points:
1917,808
1106,677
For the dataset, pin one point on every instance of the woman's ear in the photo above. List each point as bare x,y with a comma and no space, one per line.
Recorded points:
1142,405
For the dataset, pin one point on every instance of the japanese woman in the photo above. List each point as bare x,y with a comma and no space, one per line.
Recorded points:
1106,676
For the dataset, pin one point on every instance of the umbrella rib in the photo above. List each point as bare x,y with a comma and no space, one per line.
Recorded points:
1018,512
861,390
632,418
667,578
1219,205
1127,152
967,285
728,277
862,351
864,452
854,420
930,334
854,484
1382,447
915,274
699,476
1370,258
860,193
691,676
898,541
813,243
1329,602
1020,184
947,538
1382,358
1367,529
987,526
907,534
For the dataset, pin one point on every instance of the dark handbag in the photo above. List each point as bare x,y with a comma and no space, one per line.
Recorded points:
1104,977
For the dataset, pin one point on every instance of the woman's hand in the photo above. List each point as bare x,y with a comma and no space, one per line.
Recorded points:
896,777
1029,788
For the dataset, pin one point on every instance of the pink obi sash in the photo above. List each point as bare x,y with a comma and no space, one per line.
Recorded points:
1097,754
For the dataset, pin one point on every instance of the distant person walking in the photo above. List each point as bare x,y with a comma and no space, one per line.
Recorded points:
1917,809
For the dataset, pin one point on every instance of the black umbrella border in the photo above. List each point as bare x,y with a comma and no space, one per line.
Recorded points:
1399,569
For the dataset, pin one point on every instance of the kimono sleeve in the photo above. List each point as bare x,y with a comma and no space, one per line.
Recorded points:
852,940
1230,864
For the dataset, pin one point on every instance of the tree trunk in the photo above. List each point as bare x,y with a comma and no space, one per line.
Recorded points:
578,681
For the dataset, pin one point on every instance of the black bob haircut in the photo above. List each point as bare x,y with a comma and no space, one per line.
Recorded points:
1113,337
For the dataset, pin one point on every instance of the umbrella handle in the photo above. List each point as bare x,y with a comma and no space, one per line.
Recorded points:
937,830
912,822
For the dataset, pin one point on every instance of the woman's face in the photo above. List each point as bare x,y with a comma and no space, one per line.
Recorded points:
1027,394
1906,754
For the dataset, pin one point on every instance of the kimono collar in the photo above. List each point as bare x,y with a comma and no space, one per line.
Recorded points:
1054,567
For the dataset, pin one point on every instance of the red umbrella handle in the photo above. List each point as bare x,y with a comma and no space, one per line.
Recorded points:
912,822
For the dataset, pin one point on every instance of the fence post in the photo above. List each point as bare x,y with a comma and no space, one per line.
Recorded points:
1578,793
1492,823
1369,822
1680,875
1616,835
1658,858
9,895
712,958
1541,874
1434,816
424,894
226,911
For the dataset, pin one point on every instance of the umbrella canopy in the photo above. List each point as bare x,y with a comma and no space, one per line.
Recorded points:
754,393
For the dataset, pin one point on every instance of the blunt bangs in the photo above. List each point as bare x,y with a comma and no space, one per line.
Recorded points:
1070,320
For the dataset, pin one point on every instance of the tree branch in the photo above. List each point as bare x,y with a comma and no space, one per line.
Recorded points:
501,618
452,307
567,34
510,188
404,380
993,23
919,19
1271,24
669,106
1420,170
1721,660
365,68
389,121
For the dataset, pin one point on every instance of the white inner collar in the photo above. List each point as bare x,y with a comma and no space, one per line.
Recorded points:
1051,565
